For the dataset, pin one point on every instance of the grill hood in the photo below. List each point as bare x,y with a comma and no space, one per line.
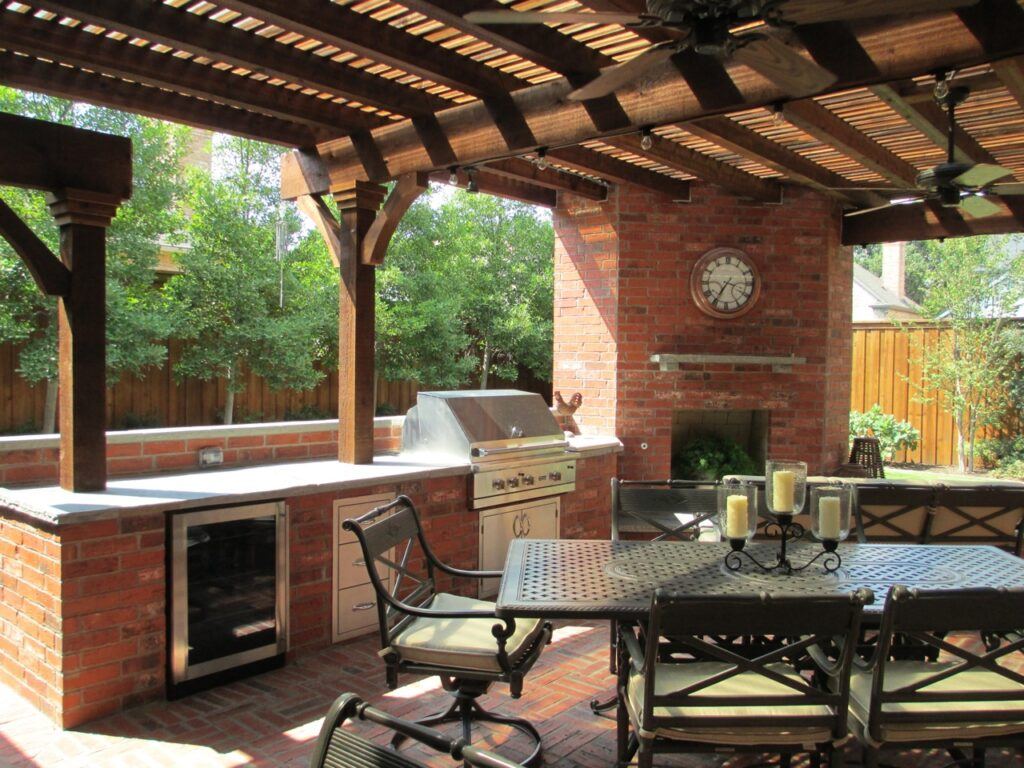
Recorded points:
476,423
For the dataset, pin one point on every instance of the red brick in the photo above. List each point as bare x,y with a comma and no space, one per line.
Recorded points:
163,446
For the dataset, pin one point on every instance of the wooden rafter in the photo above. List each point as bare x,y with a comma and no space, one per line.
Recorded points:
916,222
357,32
549,177
501,186
49,40
1011,74
681,158
186,31
748,143
557,123
32,74
619,171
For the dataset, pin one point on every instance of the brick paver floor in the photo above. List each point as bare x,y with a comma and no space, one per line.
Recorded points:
273,719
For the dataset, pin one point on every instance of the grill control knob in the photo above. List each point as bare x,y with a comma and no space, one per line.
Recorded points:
528,480
556,476
497,485
513,482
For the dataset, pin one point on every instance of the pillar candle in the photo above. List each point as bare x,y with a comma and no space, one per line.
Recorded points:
782,491
828,517
736,517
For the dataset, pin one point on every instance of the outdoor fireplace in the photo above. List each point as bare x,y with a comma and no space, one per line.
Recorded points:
748,428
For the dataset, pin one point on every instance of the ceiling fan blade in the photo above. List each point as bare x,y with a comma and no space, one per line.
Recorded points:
907,200
861,211
613,78
875,189
814,11
982,174
978,207
540,17
772,58
1013,188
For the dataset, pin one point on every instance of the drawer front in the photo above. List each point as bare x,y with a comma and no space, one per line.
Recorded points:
357,610
351,568
347,508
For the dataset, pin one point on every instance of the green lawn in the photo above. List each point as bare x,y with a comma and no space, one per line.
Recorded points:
939,476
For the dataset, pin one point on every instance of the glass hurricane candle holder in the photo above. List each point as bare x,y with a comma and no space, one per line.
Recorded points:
737,511
785,486
830,512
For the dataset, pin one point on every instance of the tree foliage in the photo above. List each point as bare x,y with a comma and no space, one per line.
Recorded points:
466,291
973,285
241,303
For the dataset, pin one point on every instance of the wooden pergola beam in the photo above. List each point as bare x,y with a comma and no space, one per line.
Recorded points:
620,172
375,243
223,42
1011,74
916,222
357,32
32,74
825,126
49,274
557,123
49,40
713,171
501,186
750,144
551,178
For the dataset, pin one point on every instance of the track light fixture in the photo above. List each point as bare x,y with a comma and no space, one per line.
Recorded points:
472,187
542,158
646,138
777,116
453,175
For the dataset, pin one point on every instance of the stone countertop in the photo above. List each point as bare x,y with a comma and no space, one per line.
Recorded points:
176,491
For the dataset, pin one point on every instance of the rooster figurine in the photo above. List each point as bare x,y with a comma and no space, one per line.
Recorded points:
564,411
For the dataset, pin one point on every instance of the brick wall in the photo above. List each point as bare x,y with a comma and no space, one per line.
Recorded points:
82,613
33,460
646,247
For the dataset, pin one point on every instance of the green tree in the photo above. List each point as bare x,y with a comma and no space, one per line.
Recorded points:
973,285
241,302
137,324
466,290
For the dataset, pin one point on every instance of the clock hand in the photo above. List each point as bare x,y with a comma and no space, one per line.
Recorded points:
725,285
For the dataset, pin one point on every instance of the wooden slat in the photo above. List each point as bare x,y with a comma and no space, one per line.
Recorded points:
46,77
1011,73
724,175
224,42
47,39
551,178
619,171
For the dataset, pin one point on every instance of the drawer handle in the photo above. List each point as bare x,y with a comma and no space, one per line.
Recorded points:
363,606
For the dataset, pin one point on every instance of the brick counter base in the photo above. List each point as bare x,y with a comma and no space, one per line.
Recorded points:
82,614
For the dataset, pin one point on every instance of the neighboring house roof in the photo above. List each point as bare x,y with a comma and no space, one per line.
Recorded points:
873,301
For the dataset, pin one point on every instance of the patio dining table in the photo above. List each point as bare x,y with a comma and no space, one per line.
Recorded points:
613,580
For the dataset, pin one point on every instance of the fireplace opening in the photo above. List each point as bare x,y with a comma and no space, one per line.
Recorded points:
704,442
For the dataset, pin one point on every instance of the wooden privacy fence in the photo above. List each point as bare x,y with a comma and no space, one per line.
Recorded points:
885,371
158,400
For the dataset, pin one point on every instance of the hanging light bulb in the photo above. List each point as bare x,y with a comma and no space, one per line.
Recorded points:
453,175
777,116
646,138
542,158
472,187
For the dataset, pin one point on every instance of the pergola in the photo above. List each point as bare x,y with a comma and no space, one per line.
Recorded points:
370,91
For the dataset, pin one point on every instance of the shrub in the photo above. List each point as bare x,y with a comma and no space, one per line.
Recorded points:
709,457
892,435
136,421
1005,455
307,412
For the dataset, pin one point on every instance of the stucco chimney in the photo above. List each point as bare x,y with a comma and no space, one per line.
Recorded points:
893,267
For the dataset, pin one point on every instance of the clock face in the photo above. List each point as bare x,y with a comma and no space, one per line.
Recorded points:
725,283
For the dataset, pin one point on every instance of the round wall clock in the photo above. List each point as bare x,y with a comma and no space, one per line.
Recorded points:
725,283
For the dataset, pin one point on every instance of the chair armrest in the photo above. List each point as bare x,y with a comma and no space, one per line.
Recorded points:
453,571
430,613
633,650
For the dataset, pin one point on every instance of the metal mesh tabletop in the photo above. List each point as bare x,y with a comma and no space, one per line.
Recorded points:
571,578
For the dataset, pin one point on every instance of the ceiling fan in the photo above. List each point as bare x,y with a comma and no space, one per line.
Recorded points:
746,31
967,186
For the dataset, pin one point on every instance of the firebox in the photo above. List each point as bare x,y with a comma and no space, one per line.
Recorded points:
748,428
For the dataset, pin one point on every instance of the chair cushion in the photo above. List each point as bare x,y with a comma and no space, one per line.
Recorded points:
673,677
902,673
462,643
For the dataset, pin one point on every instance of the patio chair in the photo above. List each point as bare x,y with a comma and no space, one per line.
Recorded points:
712,697
982,514
894,514
337,747
668,509
965,701
427,632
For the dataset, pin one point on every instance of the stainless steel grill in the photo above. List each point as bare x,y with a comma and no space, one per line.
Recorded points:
512,440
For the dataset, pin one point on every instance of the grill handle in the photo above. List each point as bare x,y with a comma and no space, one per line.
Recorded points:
480,451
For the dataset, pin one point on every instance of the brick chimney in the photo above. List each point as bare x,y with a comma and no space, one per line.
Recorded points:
893,267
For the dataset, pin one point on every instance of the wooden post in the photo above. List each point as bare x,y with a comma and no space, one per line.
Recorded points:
358,205
83,218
